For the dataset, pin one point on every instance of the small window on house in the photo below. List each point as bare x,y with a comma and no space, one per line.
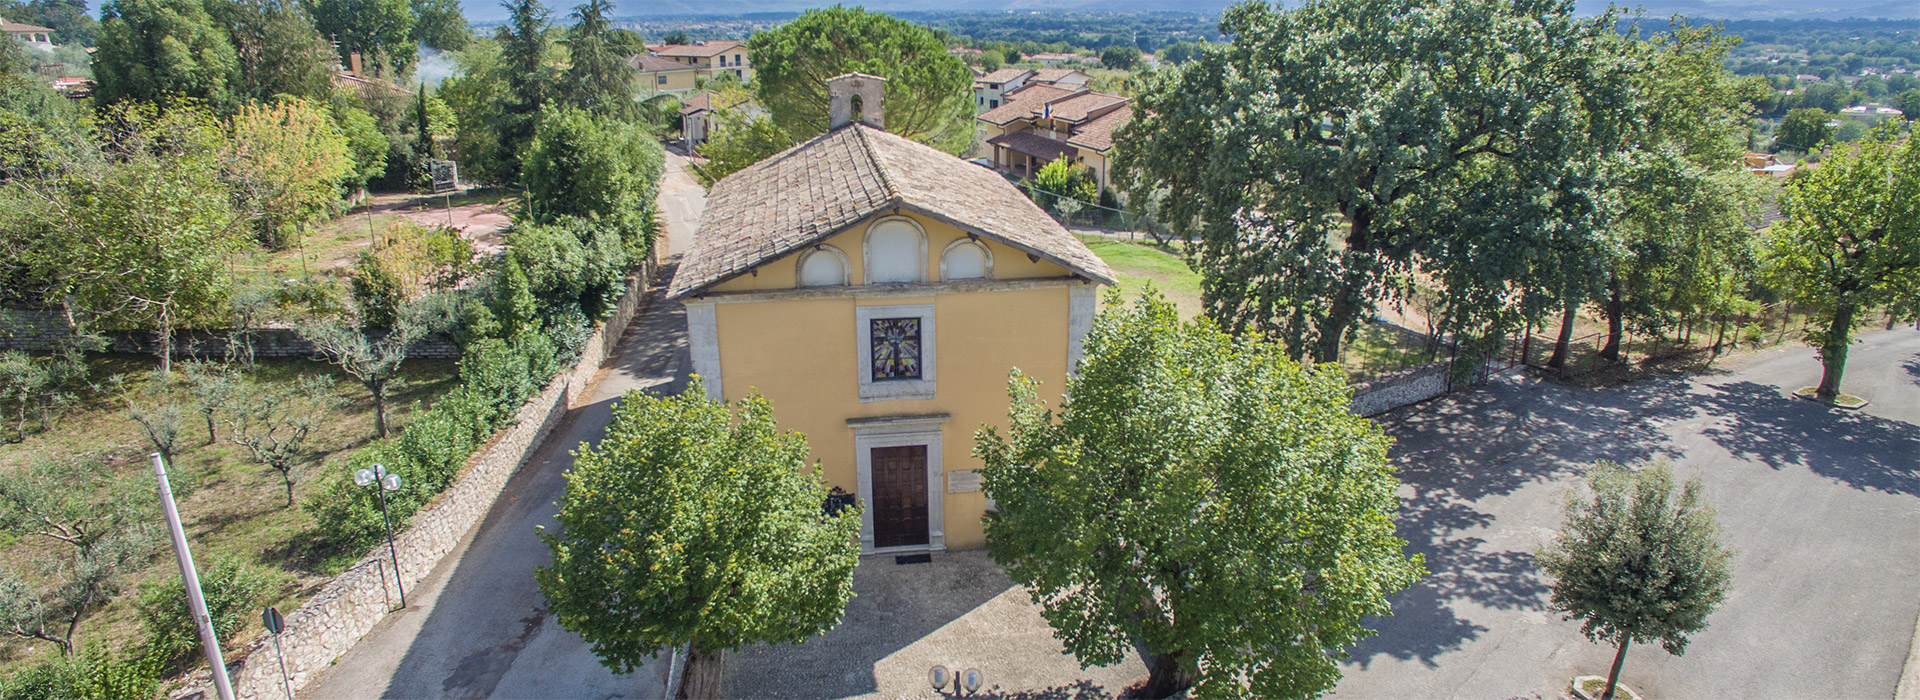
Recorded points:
824,266
993,104
896,349
663,80
966,260
896,251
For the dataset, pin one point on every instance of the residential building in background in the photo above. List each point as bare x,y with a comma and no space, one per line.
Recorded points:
878,291
34,36
664,75
1043,122
710,58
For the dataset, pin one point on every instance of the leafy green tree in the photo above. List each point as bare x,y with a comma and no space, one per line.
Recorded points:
439,25
1679,245
381,30
570,265
675,38
1909,104
598,78
278,49
477,97
213,387
1805,129
929,93
1061,180
364,138
679,485
104,529
1159,510
1120,57
528,79
736,140
1181,52
137,233
1637,562
167,52
1394,136
991,60
1849,241
600,169
286,163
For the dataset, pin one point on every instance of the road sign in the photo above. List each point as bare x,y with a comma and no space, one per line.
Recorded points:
273,621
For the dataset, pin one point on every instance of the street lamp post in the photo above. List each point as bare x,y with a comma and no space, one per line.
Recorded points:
964,682
382,482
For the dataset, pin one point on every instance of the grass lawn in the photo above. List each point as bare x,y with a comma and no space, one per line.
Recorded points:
1137,264
229,503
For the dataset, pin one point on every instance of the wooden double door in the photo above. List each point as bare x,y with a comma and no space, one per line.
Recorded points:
899,496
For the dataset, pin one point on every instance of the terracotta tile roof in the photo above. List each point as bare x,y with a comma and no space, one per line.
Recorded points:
1098,134
838,179
1032,144
1003,75
1078,107
1023,103
1054,75
697,103
655,64
709,49
18,28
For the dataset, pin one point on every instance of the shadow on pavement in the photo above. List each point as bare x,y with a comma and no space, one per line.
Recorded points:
1861,450
1082,690
1913,367
893,607
1491,442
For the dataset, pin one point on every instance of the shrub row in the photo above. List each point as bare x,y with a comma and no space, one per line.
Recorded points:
496,377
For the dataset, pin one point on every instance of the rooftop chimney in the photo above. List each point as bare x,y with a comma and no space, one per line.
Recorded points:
856,97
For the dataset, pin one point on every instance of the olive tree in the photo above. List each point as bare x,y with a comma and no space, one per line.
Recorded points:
1201,498
1637,562
696,523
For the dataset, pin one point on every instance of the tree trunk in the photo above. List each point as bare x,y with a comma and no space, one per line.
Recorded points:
379,389
1166,674
165,345
1833,354
1558,362
702,678
1616,312
287,476
1613,677
211,436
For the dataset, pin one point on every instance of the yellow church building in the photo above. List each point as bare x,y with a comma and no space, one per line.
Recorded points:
878,291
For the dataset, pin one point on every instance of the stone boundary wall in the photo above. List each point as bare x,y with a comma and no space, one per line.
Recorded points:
1403,388
349,606
44,330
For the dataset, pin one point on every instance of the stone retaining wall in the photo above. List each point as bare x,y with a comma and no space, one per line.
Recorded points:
1403,388
333,620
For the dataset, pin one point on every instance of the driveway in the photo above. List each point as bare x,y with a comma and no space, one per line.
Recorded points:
681,201
1822,506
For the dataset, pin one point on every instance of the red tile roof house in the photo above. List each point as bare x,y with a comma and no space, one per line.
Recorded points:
1043,122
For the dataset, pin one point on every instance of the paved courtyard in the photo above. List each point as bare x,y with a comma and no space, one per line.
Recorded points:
1823,508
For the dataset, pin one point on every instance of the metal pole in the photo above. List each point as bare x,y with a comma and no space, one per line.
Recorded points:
397,583
284,682
192,579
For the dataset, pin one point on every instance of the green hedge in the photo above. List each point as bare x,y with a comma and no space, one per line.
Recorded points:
496,377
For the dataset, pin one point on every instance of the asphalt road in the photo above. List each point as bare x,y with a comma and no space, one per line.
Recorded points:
479,628
1822,506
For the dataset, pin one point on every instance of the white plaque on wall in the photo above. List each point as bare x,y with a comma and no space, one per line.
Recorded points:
963,481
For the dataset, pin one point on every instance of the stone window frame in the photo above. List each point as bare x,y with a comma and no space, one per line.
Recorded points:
800,265
866,250
985,253
896,389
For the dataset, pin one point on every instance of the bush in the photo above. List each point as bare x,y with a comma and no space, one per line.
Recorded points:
378,291
233,592
496,377
572,264
93,674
